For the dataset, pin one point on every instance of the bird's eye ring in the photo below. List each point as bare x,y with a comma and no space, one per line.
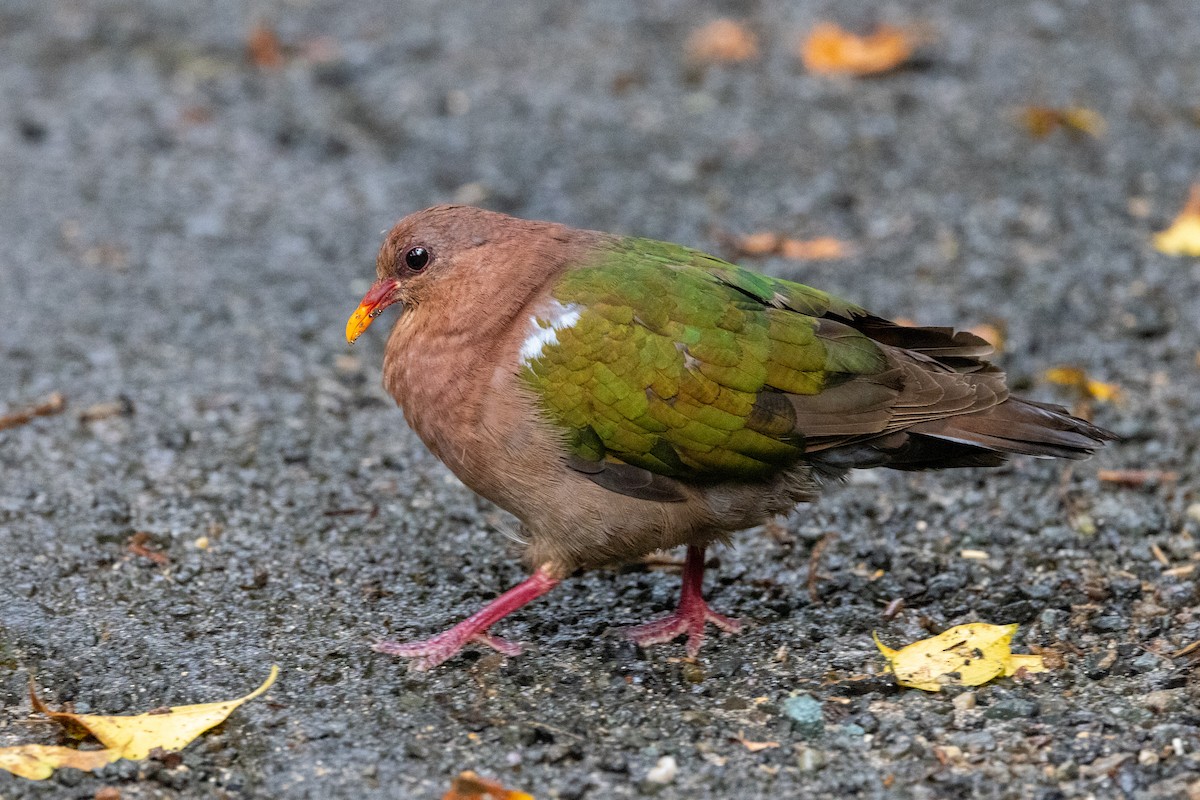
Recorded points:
417,258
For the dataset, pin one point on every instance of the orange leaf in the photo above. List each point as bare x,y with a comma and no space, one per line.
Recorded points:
761,243
820,249
722,41
263,49
831,50
765,243
469,786
992,334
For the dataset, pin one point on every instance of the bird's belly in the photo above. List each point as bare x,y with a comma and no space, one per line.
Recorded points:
489,430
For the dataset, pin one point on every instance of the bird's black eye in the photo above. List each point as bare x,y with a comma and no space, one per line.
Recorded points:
417,258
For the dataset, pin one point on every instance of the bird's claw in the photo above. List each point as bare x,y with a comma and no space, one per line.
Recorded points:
691,619
436,649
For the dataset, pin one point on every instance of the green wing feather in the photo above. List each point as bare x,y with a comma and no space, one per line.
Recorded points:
681,364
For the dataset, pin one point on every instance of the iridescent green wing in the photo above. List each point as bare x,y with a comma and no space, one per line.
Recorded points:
678,363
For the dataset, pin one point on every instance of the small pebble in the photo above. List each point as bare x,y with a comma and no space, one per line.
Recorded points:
965,701
809,759
1011,708
1162,700
664,771
1109,624
1146,662
806,713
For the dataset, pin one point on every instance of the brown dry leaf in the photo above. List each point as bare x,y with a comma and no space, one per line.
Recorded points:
1041,121
123,737
139,545
1183,237
1136,478
831,50
263,48
469,786
965,655
1077,378
722,41
121,407
753,747
54,404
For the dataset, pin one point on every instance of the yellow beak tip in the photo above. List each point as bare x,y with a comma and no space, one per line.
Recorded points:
359,321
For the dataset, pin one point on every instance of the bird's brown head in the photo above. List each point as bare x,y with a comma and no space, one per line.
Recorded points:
462,257
422,254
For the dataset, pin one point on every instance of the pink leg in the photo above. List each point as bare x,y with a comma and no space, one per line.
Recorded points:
691,615
436,649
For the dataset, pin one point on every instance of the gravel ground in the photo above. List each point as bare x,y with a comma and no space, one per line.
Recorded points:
184,235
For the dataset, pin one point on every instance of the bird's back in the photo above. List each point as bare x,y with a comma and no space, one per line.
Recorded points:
662,364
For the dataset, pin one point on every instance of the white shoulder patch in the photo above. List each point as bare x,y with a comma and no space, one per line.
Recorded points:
544,325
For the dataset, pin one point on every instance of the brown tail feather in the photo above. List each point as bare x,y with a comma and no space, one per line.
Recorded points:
982,439
1021,427
941,405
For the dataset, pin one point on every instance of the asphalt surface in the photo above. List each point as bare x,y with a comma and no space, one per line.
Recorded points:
183,234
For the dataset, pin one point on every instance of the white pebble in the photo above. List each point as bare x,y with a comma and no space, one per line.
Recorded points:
664,771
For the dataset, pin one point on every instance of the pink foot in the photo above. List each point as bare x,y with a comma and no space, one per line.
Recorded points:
436,649
692,615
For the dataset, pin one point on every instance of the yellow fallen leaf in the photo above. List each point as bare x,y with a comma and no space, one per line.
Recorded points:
1018,662
173,729
1076,378
38,761
1073,377
123,737
1041,121
469,786
1183,237
1104,392
721,41
965,655
831,50
1084,120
